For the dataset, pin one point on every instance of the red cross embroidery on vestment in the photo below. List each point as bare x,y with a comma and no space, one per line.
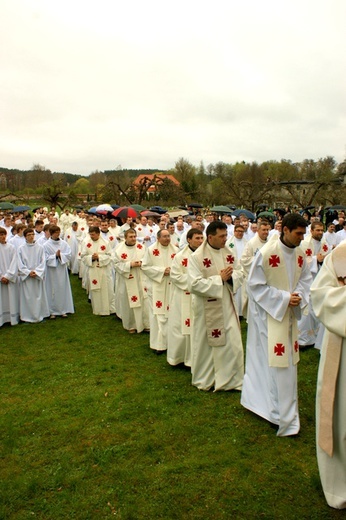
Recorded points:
274,260
172,255
156,252
158,304
124,256
139,246
103,248
111,238
230,259
296,346
68,237
279,349
184,262
130,276
94,282
139,229
134,298
308,252
88,244
187,322
82,229
325,248
216,333
207,262
300,261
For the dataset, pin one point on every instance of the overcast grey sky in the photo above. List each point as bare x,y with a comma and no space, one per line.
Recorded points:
89,85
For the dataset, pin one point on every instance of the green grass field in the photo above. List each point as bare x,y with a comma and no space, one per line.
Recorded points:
95,425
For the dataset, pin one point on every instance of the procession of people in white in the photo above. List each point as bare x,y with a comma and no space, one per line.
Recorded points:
189,283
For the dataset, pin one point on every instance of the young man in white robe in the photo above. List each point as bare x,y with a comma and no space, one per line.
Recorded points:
145,233
250,251
74,236
328,294
58,287
214,275
131,292
180,315
156,265
238,242
33,303
96,255
315,249
278,289
9,296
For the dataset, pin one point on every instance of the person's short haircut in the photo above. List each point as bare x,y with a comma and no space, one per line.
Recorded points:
38,222
192,232
130,232
20,226
239,226
159,233
330,224
74,223
3,231
263,222
315,224
28,230
293,221
214,226
53,229
94,229
46,227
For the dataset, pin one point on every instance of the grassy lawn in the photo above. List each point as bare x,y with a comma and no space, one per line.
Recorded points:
94,425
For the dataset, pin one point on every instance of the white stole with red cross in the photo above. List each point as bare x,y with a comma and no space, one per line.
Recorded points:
211,262
161,256
101,247
279,332
133,279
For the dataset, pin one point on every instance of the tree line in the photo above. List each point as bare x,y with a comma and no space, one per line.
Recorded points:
275,183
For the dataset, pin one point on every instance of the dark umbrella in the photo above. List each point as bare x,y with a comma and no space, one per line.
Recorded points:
280,210
125,212
267,214
93,210
22,208
78,206
338,206
6,205
137,207
245,212
115,206
195,205
308,207
231,206
158,209
221,209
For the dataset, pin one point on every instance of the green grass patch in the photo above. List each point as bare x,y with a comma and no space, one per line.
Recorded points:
94,425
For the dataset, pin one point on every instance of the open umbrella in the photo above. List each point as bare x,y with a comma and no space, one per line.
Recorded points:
137,207
78,206
158,209
92,210
245,212
221,209
103,209
176,212
21,208
125,212
338,206
148,213
231,206
6,205
195,205
267,214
